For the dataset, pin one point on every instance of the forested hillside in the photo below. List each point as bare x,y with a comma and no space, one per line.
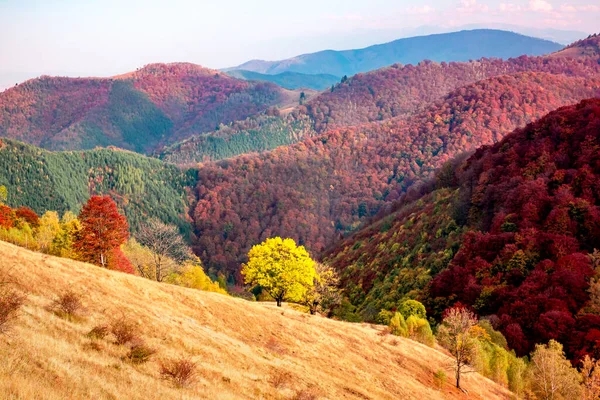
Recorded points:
155,105
326,185
511,232
255,134
62,181
396,91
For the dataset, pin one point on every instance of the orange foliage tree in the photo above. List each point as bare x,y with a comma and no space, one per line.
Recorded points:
103,230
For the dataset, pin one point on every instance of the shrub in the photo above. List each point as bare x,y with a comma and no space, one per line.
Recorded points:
68,305
398,325
424,334
384,317
123,330
139,353
181,372
439,379
10,303
98,332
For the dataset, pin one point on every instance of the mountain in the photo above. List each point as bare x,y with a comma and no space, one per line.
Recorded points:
61,181
506,231
396,91
455,46
289,80
242,349
140,111
326,185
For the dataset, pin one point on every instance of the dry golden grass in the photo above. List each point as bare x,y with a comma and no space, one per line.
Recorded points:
242,350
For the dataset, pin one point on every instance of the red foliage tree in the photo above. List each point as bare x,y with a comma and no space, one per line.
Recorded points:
26,214
7,217
103,230
117,261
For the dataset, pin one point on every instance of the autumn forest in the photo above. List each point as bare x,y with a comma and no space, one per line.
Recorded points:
451,203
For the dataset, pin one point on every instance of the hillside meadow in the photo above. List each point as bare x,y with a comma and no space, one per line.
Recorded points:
242,350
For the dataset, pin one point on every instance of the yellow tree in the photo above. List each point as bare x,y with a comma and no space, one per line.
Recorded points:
47,231
280,268
62,245
552,375
3,194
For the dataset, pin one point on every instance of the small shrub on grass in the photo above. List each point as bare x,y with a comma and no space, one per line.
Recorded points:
140,353
398,325
95,346
123,330
68,305
439,379
181,372
10,303
98,332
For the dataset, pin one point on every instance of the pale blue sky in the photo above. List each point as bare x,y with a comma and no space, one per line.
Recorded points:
107,37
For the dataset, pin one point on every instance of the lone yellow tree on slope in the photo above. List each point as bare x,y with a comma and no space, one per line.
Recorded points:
281,268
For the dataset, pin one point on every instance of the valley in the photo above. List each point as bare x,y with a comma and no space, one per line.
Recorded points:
342,224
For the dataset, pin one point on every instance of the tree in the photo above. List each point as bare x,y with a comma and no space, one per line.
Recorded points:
3,194
412,307
48,229
165,243
590,374
324,295
455,334
103,229
302,98
285,271
62,245
552,376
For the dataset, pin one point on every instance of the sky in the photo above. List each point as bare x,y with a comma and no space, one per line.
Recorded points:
109,37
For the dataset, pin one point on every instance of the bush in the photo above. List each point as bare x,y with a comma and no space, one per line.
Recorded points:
139,353
384,317
123,330
398,325
10,303
98,332
439,379
182,371
68,305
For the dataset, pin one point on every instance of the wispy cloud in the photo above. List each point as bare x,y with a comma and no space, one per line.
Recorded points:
540,6
471,7
426,9
581,8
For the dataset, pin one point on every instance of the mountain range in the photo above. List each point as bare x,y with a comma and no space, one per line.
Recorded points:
455,46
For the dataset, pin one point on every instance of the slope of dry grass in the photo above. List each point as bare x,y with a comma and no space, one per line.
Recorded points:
242,349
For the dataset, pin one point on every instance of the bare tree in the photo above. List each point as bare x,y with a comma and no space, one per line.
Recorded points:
325,293
166,244
455,334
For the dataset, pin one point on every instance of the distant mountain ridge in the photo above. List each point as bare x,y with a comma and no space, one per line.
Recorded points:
455,46
289,80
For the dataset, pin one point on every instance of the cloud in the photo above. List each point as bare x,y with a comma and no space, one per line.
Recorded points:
510,7
540,6
471,7
420,10
583,8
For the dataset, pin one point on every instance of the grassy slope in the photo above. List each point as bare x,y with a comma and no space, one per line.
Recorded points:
243,349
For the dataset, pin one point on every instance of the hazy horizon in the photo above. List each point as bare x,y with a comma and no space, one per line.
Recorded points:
105,38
